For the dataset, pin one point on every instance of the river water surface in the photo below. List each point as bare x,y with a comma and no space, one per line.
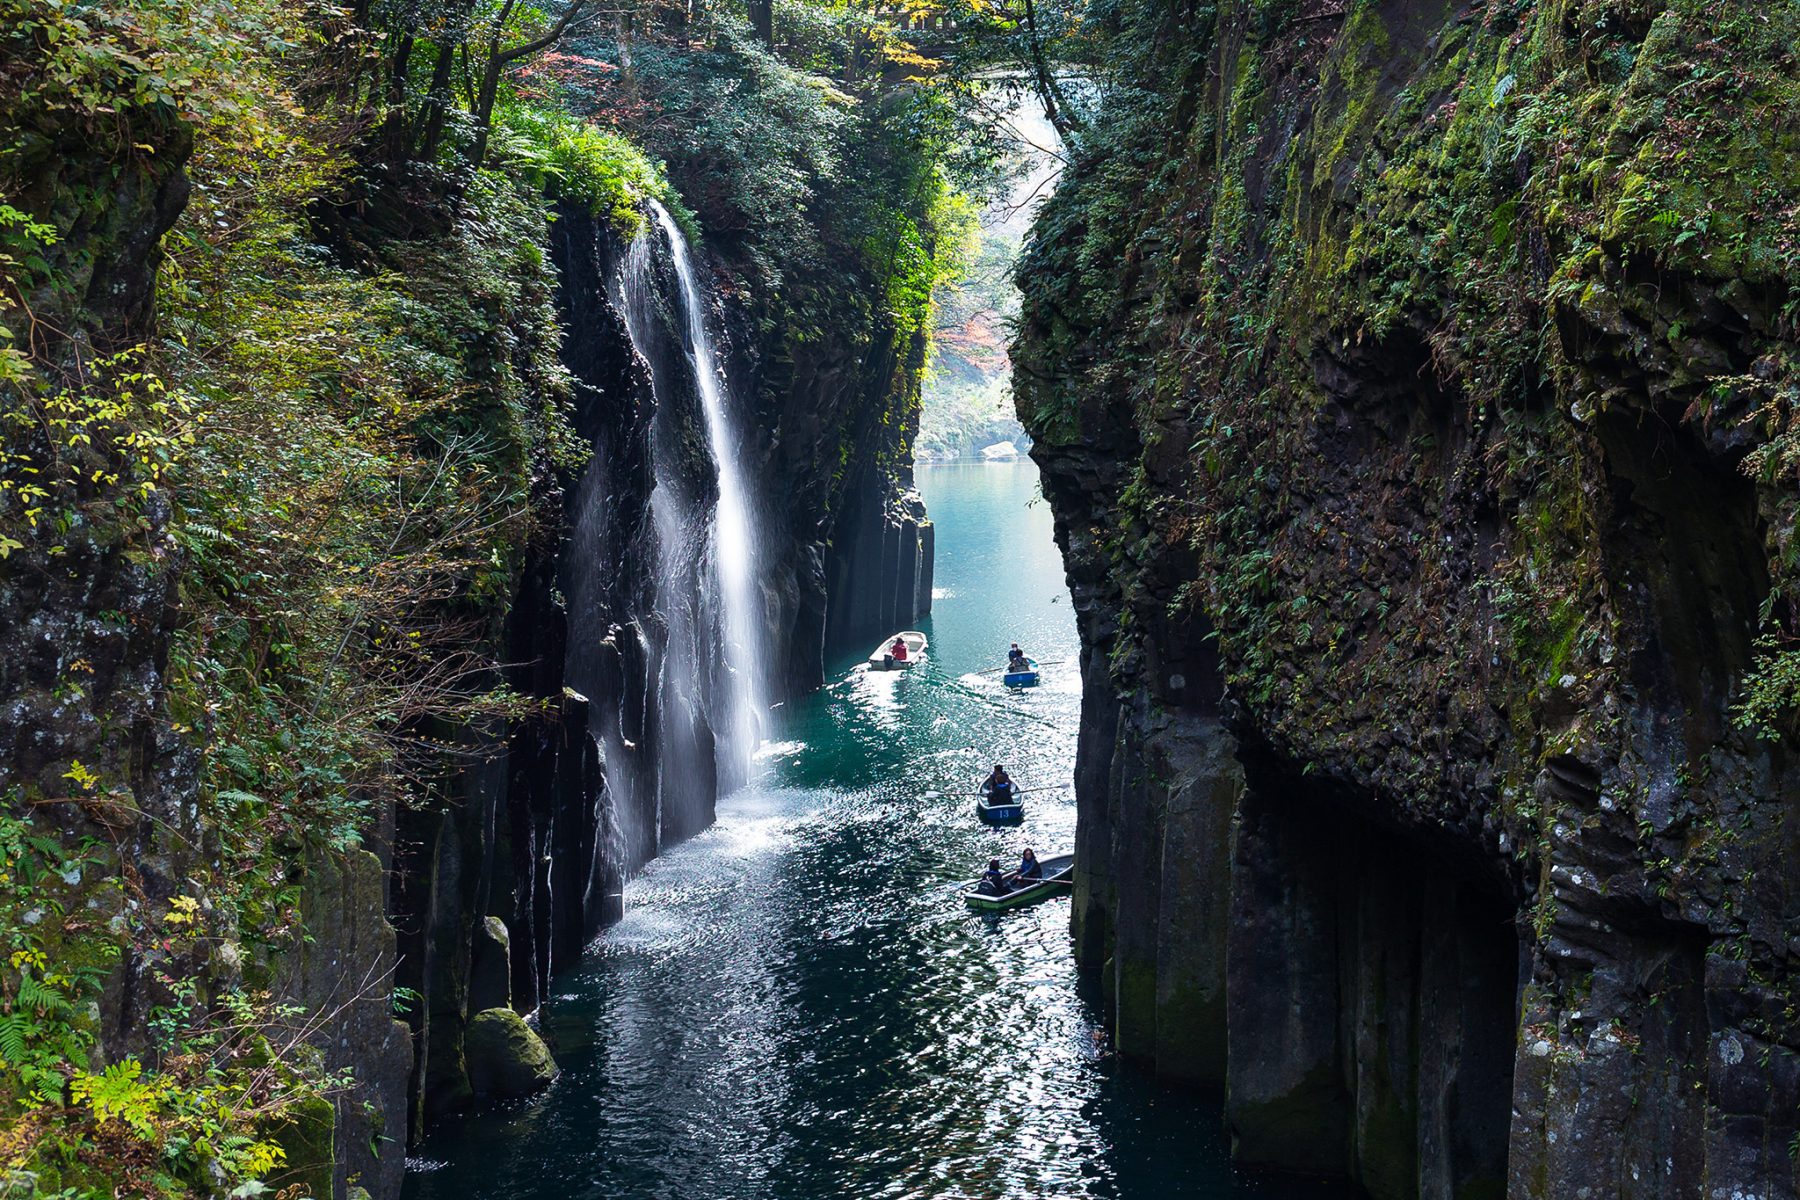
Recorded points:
797,1004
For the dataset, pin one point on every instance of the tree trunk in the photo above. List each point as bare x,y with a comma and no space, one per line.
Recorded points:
484,108
437,105
1056,109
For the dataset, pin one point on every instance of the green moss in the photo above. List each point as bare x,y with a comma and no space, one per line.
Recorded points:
307,1137
506,1057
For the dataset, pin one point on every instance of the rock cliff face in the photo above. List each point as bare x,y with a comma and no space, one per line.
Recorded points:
851,545
1417,433
87,740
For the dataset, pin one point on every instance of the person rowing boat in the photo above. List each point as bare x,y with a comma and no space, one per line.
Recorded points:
1034,880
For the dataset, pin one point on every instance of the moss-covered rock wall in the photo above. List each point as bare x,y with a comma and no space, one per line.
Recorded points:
1413,384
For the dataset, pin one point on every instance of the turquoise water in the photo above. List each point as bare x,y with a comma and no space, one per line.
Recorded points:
797,1004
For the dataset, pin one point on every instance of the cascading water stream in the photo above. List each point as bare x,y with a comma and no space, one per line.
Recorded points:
707,668
734,530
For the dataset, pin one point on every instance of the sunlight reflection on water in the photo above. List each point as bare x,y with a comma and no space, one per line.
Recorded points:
797,1004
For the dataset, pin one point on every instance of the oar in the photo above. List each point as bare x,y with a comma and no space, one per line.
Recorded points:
1008,670
1050,787
1014,884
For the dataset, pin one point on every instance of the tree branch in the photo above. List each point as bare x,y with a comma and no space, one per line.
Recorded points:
549,39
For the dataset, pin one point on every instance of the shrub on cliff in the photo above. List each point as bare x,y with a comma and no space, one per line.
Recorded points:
594,168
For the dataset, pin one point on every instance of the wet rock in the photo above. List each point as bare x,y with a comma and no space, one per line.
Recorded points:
490,976
506,1058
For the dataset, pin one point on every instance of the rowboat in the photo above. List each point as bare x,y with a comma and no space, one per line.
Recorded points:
883,659
1022,679
1059,873
1006,808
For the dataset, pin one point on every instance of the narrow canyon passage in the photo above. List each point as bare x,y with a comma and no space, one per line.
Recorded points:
455,459
796,1005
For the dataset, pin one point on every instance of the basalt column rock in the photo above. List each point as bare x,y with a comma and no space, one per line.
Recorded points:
1450,463
541,829
848,542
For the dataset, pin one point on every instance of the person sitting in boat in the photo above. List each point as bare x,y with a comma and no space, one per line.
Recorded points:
1016,662
999,784
993,880
897,651
1029,867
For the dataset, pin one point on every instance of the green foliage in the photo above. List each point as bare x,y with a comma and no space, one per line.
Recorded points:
113,439
23,268
579,162
44,1027
333,444
354,509
88,1129
1568,233
916,256
336,466
183,56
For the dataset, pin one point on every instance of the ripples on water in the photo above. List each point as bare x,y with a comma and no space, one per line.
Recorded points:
798,1004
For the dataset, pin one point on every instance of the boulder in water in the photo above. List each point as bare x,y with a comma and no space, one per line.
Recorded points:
506,1058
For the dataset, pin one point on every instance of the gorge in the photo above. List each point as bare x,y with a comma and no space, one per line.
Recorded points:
454,458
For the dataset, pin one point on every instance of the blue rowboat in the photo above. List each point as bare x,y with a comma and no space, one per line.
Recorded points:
1007,807
1022,679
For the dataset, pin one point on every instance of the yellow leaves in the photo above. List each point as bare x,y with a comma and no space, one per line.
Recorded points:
904,55
30,956
183,911
81,776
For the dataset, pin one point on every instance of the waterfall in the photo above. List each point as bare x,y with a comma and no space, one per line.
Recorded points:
734,542
706,678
